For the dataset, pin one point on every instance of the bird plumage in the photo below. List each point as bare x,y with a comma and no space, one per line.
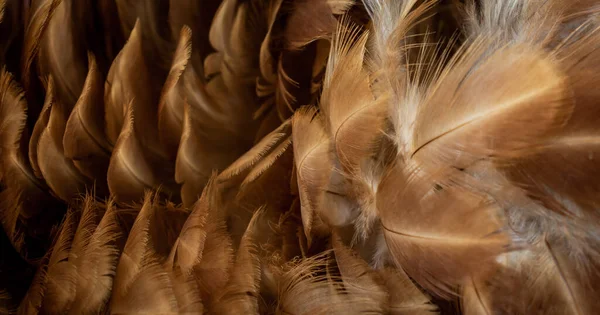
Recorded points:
299,156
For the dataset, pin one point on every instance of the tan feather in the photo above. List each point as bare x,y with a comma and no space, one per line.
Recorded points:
198,16
129,172
58,171
468,84
306,288
544,277
573,149
84,140
60,278
131,80
313,20
24,197
212,272
313,165
35,30
364,287
170,108
192,166
32,301
265,147
355,119
404,296
97,265
140,283
241,294
40,126
456,231
62,54
266,163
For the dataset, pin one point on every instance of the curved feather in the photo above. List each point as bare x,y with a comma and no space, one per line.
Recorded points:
364,286
456,231
98,262
62,54
258,152
129,172
170,108
241,293
58,171
313,164
84,140
24,199
140,283
132,80
60,276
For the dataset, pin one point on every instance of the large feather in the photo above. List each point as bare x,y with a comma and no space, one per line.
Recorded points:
427,219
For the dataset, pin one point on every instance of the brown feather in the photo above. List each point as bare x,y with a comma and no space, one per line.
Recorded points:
84,140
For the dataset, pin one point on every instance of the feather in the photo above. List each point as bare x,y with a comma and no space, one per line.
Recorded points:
140,283
189,246
129,172
458,232
98,261
58,171
236,34
355,119
60,278
152,18
313,168
84,140
312,20
212,272
62,54
562,173
404,296
363,286
64,278
132,80
32,301
34,140
266,163
34,34
26,208
544,277
260,151
305,287
241,293
190,171
188,253
468,83
198,15
170,108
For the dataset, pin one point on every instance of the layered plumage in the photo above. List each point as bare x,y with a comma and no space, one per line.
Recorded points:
299,157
